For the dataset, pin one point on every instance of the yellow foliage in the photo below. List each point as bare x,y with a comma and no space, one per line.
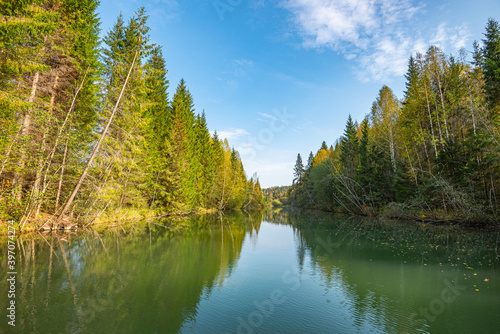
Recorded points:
321,156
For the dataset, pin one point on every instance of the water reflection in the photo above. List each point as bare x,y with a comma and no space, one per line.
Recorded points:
118,283
219,274
397,277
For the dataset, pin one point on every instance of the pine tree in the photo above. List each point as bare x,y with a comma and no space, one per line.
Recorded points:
298,170
180,158
119,151
206,172
217,186
310,161
349,148
25,26
46,47
363,142
158,120
491,65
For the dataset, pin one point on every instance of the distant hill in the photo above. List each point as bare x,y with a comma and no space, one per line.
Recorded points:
276,196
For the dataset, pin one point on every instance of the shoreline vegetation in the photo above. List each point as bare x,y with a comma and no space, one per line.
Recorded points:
89,134
433,156
128,222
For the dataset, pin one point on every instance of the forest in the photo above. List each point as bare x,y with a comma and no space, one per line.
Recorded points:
433,156
275,196
88,131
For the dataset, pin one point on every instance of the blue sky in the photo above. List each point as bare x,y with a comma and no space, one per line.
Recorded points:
279,77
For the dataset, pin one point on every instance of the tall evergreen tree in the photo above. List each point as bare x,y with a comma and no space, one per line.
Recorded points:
491,66
298,170
158,125
349,147
310,161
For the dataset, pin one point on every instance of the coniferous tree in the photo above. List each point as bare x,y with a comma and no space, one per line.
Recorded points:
95,140
491,63
298,170
158,120
349,147
60,45
436,152
310,161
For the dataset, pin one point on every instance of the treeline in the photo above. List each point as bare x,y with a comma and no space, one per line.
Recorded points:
88,128
435,155
276,196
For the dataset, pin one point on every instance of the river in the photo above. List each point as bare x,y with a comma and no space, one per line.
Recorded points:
278,272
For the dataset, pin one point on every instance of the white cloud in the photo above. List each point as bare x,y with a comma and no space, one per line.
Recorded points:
236,71
450,37
163,10
268,116
232,134
243,62
378,35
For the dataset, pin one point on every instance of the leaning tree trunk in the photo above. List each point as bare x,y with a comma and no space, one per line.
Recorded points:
61,177
97,146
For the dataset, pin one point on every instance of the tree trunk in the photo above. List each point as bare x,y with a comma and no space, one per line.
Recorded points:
98,144
425,144
63,165
439,126
38,178
442,105
37,193
26,124
10,149
411,165
471,106
430,120
392,150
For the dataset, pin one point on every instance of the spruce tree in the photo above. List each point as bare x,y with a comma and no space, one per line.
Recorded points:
310,161
491,66
181,159
349,148
158,119
298,170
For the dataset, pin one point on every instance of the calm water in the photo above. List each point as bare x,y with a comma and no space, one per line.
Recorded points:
288,272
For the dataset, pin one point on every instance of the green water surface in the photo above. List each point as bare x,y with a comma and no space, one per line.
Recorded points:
278,272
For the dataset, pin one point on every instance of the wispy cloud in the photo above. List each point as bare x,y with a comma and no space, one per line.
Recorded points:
240,68
450,37
268,116
243,62
237,70
375,34
232,134
164,10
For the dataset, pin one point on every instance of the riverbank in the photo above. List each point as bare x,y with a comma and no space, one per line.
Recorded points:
398,213
126,219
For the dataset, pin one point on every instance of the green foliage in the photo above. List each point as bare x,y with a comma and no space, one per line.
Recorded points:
298,170
276,196
436,153
491,62
349,147
158,155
